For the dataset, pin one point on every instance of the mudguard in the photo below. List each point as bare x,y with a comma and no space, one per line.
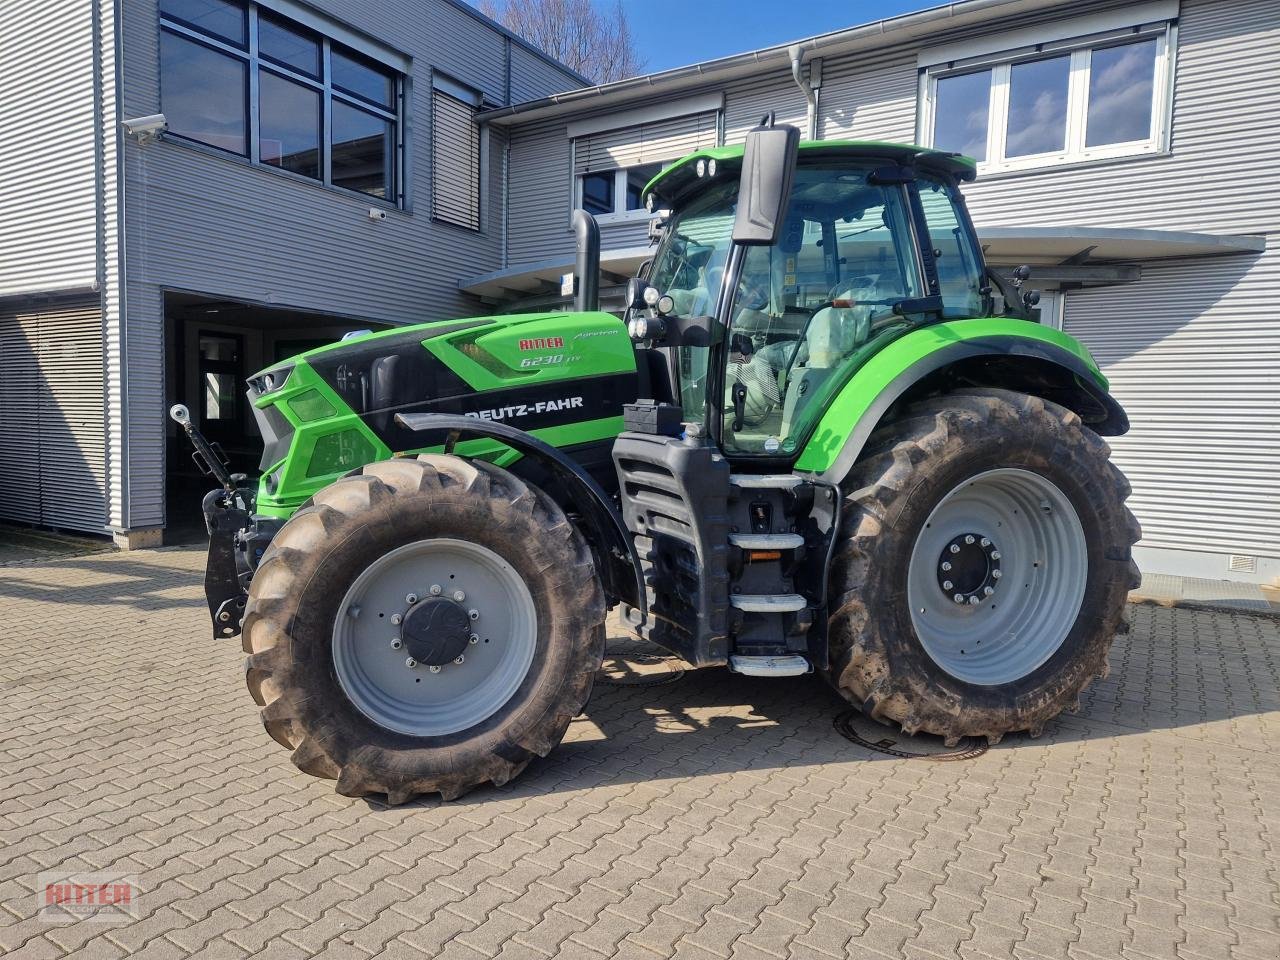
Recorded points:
1028,348
602,525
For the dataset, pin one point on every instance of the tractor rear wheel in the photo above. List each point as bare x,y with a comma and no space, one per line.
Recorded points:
983,569
423,625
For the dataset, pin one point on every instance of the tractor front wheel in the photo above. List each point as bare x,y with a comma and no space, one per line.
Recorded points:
423,626
983,569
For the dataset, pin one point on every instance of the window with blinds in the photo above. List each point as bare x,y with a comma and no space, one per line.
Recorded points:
613,166
455,160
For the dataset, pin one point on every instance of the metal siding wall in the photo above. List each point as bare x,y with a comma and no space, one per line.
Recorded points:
52,430
747,100
207,223
48,225
1192,352
540,193
869,98
533,77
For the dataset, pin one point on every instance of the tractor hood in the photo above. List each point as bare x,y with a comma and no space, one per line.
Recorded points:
561,376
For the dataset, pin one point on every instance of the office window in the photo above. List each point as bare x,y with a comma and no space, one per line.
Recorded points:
612,167
455,154
323,112
1089,99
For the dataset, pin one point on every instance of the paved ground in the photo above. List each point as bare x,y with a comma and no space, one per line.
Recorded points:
706,817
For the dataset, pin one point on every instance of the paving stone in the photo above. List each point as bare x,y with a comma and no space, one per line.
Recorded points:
715,817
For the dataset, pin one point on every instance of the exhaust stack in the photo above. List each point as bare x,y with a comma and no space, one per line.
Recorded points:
587,266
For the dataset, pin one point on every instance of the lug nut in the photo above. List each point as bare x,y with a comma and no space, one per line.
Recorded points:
473,614
974,601
410,663
996,574
396,643
435,669
985,542
459,596
995,554
474,638
459,659
969,538
958,598
955,548
411,598
947,584
988,591
396,619
435,589
946,565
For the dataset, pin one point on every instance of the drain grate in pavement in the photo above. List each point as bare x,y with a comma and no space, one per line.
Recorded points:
865,732
629,663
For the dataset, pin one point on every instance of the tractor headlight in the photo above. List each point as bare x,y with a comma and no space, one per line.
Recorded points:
268,381
646,328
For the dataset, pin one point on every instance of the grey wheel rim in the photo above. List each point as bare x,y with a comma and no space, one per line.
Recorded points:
1012,548
379,627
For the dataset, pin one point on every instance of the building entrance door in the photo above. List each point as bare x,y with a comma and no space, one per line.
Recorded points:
221,371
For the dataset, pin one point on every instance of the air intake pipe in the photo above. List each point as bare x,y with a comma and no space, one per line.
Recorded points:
587,267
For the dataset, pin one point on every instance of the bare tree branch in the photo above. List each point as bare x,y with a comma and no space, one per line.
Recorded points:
584,35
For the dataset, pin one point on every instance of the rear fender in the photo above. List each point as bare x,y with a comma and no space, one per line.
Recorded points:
1012,354
601,524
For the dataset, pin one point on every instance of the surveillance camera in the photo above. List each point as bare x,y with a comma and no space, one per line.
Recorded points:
146,129
376,214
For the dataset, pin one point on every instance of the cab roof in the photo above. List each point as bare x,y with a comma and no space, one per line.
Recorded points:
676,180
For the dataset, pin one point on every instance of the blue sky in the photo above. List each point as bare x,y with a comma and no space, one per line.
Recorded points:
672,33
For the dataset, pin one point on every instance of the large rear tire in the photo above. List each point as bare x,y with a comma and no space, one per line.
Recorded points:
423,626
983,569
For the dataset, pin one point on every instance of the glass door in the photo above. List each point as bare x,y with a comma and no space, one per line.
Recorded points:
221,378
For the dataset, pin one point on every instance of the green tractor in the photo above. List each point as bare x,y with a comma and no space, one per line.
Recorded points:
823,438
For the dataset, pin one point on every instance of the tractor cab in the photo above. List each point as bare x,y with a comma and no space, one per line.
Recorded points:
757,332
782,269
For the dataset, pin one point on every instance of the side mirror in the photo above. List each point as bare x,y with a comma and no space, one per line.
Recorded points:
768,167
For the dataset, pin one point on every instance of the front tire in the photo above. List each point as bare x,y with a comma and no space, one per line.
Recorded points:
423,625
984,567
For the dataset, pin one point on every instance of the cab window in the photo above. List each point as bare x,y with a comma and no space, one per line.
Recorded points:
808,308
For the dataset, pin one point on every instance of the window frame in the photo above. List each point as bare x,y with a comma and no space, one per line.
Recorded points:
619,194
1079,50
255,62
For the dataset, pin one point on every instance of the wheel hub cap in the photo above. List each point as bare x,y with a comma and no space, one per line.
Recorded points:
435,631
969,569
1013,549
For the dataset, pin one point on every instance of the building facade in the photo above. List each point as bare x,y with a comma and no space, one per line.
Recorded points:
1127,152
321,171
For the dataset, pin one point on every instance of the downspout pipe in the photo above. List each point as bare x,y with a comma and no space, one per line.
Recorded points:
810,95
586,233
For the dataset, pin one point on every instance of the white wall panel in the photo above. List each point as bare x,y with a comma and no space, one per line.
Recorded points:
48,184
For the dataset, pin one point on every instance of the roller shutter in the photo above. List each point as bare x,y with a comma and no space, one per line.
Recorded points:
52,419
1192,352
654,142
455,154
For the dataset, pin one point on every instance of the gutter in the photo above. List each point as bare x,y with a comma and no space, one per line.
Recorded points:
806,86
890,30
